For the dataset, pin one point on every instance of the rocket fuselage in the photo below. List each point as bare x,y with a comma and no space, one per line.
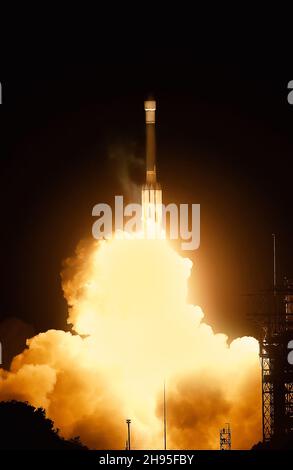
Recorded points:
151,194
150,154
150,113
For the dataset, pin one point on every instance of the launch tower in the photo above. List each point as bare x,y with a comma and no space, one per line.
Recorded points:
225,437
275,317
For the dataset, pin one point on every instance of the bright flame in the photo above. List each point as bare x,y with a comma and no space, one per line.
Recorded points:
129,299
152,213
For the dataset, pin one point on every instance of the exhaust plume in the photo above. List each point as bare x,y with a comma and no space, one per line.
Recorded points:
132,328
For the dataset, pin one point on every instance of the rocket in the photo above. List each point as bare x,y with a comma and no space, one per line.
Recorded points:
150,121
151,190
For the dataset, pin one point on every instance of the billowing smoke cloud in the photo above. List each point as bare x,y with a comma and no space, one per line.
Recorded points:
200,404
55,373
132,330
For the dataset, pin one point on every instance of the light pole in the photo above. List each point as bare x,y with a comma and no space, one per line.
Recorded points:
128,421
165,418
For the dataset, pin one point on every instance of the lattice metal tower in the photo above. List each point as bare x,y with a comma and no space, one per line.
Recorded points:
276,321
277,373
225,437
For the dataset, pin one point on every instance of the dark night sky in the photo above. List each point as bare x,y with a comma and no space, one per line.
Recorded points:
225,141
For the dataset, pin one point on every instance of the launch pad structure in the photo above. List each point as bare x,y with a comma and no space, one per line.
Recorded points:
225,437
277,373
276,321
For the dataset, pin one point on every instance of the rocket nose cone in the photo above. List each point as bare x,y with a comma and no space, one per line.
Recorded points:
150,103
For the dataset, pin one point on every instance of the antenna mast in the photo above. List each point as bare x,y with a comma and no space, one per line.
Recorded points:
165,418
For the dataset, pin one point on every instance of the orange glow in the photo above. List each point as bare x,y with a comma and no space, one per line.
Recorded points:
128,301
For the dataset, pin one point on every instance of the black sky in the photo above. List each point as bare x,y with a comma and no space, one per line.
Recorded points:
225,141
